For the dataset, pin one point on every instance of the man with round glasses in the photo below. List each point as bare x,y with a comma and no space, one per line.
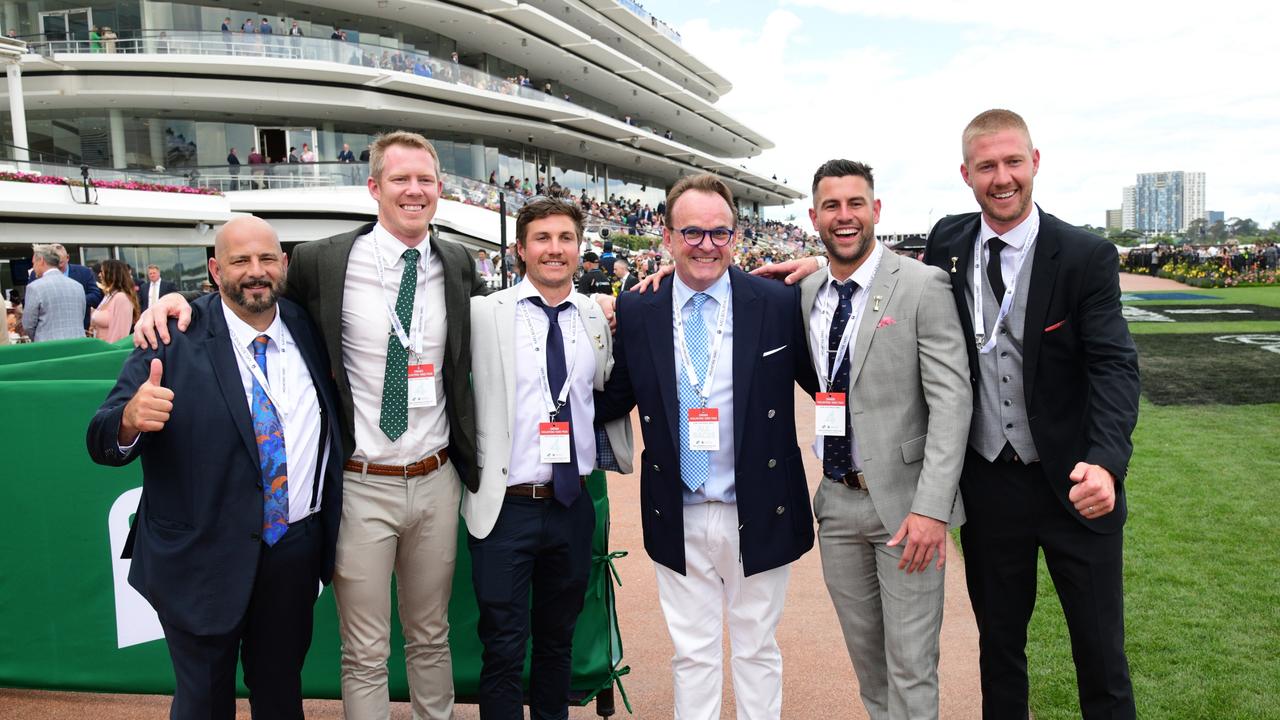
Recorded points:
711,358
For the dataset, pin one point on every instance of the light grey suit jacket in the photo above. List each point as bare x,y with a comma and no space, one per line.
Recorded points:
910,401
493,367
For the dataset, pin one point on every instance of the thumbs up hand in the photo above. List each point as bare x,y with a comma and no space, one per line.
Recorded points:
148,410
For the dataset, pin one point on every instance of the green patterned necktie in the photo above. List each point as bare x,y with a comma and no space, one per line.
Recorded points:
395,381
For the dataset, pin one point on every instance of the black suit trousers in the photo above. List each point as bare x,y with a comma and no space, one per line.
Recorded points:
547,545
271,640
1012,515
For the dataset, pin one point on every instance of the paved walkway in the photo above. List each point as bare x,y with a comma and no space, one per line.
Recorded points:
1148,283
818,679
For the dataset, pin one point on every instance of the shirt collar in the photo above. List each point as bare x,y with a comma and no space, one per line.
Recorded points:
392,249
242,331
1020,235
526,290
866,272
719,290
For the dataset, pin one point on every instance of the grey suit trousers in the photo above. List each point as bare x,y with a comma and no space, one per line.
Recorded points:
890,619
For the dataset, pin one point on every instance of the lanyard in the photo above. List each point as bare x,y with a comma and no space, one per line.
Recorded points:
827,375
703,388
278,396
553,405
985,344
418,328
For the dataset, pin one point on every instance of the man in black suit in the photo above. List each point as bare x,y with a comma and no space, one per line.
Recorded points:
242,488
712,358
154,288
593,281
1055,378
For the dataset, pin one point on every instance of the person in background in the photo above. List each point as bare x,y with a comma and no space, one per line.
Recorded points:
114,317
55,305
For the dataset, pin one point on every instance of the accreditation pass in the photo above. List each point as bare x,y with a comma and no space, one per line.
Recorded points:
553,442
422,385
830,414
704,429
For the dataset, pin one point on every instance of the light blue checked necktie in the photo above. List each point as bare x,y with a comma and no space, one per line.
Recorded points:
695,465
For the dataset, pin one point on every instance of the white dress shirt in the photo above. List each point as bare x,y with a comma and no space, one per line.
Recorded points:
1022,234
820,317
300,414
153,293
530,403
719,487
366,328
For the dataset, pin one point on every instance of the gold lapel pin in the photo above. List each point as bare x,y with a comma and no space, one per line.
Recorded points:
953,263
599,342
875,305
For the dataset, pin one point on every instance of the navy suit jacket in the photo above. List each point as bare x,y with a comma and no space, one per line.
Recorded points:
196,538
144,292
1079,366
774,516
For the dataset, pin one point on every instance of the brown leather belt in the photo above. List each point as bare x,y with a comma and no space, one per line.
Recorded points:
854,479
537,492
425,466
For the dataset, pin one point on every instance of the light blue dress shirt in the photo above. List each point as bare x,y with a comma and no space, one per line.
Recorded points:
719,487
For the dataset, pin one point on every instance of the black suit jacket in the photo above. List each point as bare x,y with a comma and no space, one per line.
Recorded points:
774,515
196,538
317,281
1080,367
144,292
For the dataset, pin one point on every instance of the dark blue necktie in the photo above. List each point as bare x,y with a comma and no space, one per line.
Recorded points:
837,452
565,481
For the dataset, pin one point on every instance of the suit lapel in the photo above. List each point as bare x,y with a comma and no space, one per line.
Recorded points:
217,347
662,345
593,328
877,304
504,319
457,295
332,276
1044,271
747,320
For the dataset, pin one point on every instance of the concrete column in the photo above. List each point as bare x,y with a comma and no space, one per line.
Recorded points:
326,144
156,131
18,116
116,123
477,159
10,17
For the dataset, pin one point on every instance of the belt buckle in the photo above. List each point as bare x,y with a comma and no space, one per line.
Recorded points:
533,491
855,479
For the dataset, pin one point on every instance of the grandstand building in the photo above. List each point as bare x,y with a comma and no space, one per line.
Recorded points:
595,97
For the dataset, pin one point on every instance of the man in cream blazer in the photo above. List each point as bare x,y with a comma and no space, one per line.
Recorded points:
539,350
881,330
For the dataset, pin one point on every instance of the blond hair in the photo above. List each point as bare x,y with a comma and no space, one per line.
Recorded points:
398,137
993,121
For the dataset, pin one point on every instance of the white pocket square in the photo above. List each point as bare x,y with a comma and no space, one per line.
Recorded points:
777,349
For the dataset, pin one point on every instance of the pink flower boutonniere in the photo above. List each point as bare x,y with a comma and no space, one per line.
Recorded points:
885,322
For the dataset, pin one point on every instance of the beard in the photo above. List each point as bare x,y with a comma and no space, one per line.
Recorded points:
852,254
236,294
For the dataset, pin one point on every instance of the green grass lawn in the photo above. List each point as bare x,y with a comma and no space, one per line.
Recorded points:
1264,295
1201,589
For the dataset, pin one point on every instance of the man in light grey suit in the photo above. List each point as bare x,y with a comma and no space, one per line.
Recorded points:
892,423
538,351
54,305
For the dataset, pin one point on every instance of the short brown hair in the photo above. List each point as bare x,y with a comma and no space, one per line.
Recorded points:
993,121
538,208
398,137
842,168
702,182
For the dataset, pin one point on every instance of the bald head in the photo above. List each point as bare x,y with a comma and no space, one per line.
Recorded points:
244,228
250,268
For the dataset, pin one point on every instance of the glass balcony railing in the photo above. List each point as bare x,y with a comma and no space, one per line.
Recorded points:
286,47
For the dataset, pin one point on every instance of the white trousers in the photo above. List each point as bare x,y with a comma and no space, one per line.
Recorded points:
694,605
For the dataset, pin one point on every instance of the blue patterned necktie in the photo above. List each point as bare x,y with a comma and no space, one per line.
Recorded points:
566,484
695,465
837,452
271,454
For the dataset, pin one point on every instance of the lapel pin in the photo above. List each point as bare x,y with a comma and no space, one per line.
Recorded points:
953,264
599,342
875,305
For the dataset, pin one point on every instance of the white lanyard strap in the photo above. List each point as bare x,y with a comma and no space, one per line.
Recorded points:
703,388
553,405
827,375
986,344
416,326
277,395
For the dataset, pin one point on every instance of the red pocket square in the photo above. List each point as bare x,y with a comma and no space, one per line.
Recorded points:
1056,325
885,321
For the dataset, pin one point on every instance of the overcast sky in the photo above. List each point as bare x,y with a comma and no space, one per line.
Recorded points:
1109,89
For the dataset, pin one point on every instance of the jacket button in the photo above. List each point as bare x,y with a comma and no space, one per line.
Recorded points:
504,471
772,413
646,418
657,469
780,510
656,511
741,526
773,463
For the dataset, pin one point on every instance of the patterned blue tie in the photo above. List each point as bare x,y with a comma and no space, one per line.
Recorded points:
695,465
566,484
837,452
271,454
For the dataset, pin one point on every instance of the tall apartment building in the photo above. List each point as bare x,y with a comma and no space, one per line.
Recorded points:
1166,202
1114,220
1129,208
